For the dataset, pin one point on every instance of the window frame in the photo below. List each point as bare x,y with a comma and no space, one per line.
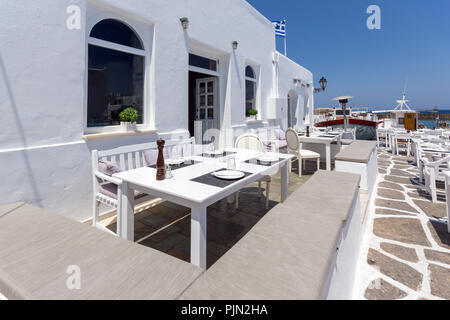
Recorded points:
255,84
147,123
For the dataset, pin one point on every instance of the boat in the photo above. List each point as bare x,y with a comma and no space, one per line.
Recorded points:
362,120
401,117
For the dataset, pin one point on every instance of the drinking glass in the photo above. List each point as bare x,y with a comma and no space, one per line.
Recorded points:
231,163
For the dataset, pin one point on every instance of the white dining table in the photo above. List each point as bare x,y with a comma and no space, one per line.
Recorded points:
182,190
322,138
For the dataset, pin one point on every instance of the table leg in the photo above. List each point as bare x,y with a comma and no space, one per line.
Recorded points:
198,236
126,219
328,155
285,181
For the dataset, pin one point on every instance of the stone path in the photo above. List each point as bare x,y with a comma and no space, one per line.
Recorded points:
406,251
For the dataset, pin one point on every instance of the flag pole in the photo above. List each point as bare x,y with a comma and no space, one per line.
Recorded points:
285,36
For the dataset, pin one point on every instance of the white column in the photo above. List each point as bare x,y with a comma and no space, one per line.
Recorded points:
311,105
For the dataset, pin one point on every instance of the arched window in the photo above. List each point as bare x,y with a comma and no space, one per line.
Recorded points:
116,73
250,89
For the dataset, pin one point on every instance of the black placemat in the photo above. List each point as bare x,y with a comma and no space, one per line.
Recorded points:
220,155
259,163
179,166
216,182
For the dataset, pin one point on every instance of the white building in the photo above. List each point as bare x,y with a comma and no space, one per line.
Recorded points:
64,74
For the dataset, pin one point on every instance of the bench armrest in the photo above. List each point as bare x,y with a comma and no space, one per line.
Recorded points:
108,178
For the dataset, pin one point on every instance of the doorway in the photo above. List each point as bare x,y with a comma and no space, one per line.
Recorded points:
292,101
203,103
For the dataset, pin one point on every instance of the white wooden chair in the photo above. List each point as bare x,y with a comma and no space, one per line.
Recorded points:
383,137
107,190
447,197
300,154
402,140
251,141
433,171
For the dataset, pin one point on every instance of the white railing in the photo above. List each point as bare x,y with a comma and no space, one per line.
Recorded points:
447,197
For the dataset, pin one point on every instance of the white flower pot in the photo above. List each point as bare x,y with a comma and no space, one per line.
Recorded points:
251,118
128,126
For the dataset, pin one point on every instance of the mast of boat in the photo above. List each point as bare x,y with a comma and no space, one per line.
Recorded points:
403,103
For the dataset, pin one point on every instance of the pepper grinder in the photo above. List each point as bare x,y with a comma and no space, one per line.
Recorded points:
307,131
160,166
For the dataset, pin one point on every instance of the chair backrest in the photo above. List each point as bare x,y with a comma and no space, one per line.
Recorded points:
381,133
132,157
292,139
402,136
249,141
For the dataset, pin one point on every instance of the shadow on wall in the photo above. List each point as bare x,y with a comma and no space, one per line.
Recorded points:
35,197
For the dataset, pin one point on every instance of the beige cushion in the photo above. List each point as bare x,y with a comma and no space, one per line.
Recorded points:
37,247
110,190
289,253
358,151
308,154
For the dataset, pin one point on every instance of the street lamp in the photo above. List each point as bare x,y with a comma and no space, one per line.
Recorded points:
323,85
184,22
235,44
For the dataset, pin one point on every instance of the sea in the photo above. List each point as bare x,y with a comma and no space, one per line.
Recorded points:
432,124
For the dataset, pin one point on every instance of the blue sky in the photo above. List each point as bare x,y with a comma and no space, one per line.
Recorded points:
330,38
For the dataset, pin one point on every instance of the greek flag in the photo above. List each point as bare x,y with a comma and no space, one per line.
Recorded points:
280,28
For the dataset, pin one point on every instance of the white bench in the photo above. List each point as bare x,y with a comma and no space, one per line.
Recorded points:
126,158
38,249
360,157
304,248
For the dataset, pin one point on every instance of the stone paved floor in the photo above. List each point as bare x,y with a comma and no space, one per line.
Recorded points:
166,227
406,252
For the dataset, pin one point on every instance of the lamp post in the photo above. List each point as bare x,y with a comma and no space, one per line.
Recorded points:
323,85
343,100
184,22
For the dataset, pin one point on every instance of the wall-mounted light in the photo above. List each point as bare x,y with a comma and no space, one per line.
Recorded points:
276,57
323,85
297,81
235,45
184,22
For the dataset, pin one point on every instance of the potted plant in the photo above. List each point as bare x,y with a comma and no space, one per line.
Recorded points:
128,118
252,113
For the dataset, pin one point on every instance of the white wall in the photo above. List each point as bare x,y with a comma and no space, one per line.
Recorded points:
289,70
43,155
